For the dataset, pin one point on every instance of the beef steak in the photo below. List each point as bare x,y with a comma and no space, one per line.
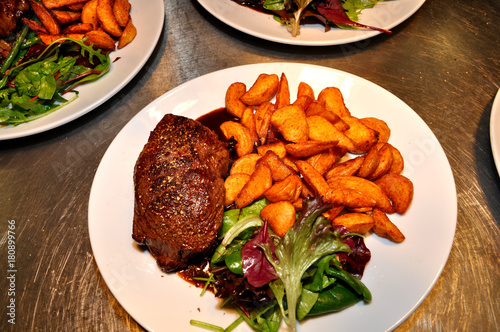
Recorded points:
179,191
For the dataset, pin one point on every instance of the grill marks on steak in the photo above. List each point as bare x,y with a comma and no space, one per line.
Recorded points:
179,191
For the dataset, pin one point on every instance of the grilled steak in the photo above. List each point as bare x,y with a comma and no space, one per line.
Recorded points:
10,13
179,191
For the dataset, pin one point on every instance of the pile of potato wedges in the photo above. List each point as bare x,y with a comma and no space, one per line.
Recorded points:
106,24
287,151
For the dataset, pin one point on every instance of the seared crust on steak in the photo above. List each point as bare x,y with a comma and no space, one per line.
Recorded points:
179,191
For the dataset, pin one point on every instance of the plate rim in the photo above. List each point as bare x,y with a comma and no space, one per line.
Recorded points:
495,130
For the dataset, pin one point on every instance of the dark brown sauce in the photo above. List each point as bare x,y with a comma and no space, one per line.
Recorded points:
214,119
257,6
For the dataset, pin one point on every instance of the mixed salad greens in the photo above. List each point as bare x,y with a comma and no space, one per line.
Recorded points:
341,13
312,270
34,77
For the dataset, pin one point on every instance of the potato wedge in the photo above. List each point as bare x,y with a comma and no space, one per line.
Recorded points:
385,228
370,163
279,170
364,186
281,216
48,21
49,39
362,136
346,168
315,108
89,14
263,115
303,102
350,198
82,28
245,164
66,16
128,34
100,39
291,122
287,190
399,189
305,89
333,101
234,105
309,148
248,121
107,19
35,26
323,161
258,183
263,89
333,212
283,93
242,136
51,4
233,185
121,11
398,163
380,126
320,129
385,160
313,177
355,222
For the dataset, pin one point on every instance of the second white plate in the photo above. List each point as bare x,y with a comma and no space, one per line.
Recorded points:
398,275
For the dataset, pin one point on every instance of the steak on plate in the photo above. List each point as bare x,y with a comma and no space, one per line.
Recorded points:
179,191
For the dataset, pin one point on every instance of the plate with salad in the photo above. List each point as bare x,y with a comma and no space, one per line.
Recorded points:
398,276
120,67
357,20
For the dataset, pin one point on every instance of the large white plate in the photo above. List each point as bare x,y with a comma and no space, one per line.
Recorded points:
386,15
148,17
399,275
495,130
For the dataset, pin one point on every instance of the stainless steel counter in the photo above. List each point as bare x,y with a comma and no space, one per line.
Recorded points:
443,62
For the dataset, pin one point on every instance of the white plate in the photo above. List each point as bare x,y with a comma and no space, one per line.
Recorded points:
495,130
148,17
398,275
384,15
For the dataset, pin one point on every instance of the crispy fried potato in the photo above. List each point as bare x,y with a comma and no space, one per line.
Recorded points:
263,115
278,148
81,28
355,222
291,123
380,126
283,93
280,216
107,19
100,39
346,168
370,163
399,189
233,185
128,35
313,177
385,228
89,14
364,186
262,90
49,39
350,198
315,108
258,183
51,4
333,212
240,134
66,16
323,161
385,160
279,170
245,164
333,101
305,89
303,102
320,129
362,137
287,190
48,21
309,148
35,26
398,163
248,121
234,105
121,10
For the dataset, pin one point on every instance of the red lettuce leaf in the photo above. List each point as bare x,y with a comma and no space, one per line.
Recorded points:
332,10
256,267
